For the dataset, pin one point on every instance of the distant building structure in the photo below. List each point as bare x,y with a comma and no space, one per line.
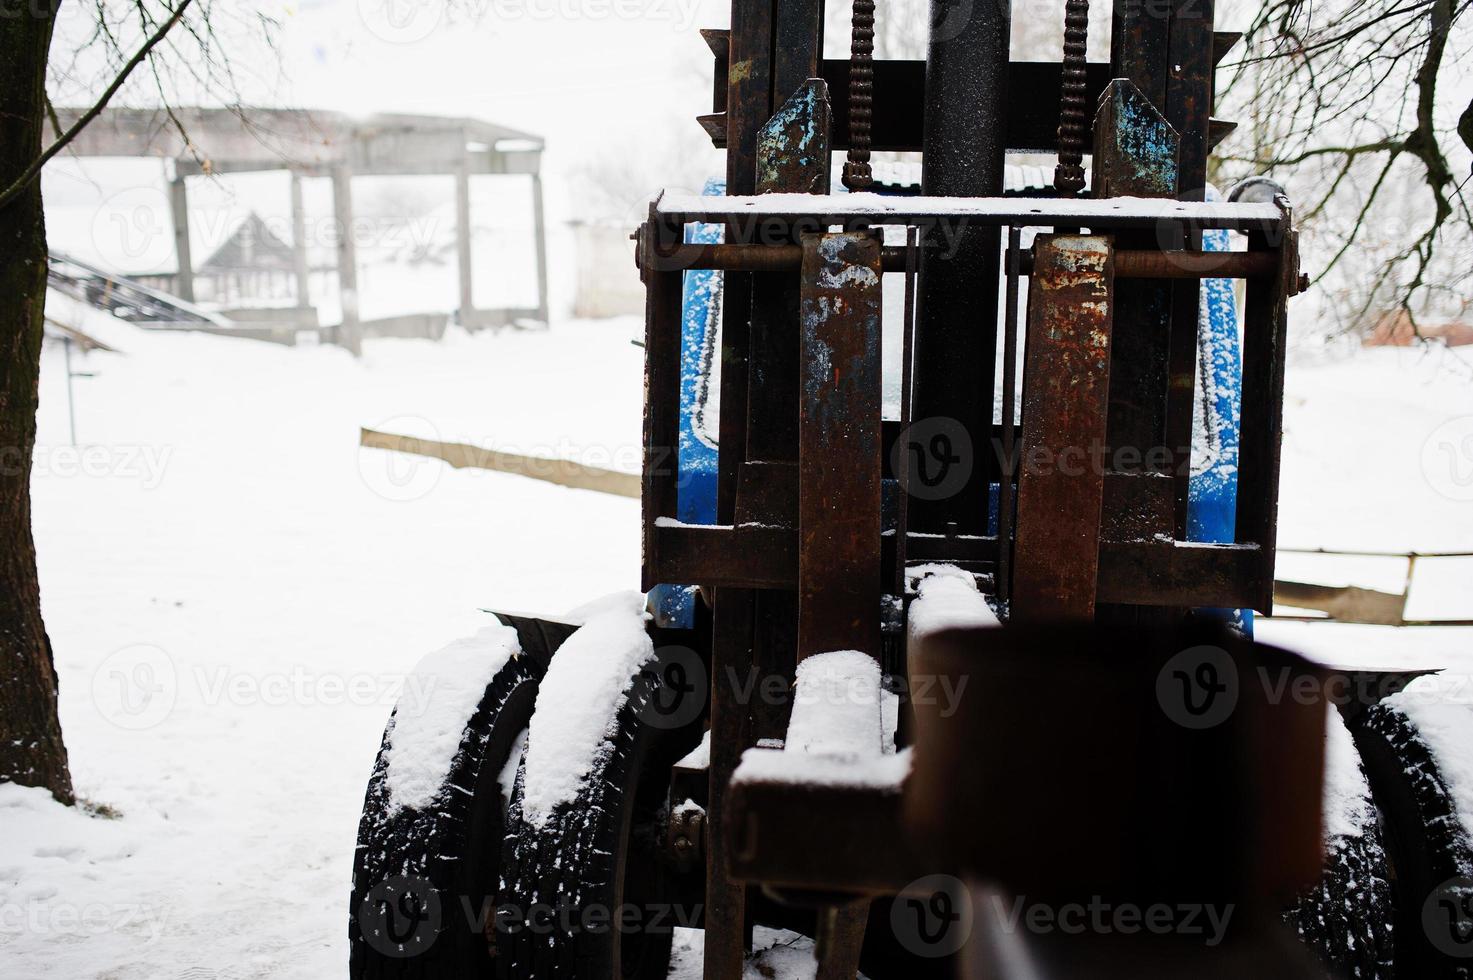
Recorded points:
312,143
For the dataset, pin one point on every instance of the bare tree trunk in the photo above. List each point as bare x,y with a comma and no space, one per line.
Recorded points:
31,748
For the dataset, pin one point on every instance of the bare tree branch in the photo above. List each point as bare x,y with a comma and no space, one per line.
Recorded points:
33,171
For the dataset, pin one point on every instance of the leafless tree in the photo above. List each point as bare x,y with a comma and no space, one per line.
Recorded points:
179,48
1352,105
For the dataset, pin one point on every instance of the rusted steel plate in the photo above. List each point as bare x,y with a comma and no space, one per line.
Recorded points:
1065,391
793,146
1180,573
839,463
1136,150
661,409
1265,326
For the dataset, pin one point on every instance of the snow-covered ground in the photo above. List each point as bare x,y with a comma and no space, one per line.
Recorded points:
235,592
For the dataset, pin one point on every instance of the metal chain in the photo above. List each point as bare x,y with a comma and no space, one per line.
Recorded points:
861,95
1069,173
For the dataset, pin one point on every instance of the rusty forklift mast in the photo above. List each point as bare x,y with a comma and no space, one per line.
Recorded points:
1070,513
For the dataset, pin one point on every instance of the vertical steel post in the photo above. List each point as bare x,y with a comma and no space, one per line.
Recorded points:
963,146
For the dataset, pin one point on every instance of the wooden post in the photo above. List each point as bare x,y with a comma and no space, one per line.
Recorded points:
463,242
299,243
350,331
179,213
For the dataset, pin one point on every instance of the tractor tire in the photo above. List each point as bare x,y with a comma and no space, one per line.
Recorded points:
424,880
1428,840
1347,919
588,895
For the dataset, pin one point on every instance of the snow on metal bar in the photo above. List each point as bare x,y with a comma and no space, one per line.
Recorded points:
946,598
836,732
836,705
1114,212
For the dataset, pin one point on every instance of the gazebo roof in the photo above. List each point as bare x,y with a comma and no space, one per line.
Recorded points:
309,141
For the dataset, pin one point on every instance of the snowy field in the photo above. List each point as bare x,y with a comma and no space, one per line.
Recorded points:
235,592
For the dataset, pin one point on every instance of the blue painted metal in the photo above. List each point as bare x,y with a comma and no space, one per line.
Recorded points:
674,605
793,146
1213,493
1136,150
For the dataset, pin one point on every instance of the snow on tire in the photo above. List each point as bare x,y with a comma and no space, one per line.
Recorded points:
1347,918
425,870
1417,748
584,891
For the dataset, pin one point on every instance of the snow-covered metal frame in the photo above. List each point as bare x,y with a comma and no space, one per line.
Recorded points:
1142,561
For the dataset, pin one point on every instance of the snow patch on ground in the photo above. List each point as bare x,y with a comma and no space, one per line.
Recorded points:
577,706
440,697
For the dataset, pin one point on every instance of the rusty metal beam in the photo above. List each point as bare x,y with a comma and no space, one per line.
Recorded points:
1129,263
1066,385
839,464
